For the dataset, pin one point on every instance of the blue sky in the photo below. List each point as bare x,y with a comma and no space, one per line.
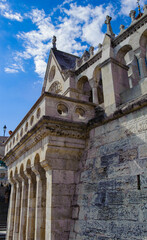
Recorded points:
26,30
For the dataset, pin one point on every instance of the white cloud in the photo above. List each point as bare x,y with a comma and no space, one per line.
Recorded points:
14,68
75,22
11,70
128,5
6,12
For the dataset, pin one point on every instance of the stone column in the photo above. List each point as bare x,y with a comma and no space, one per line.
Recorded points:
48,228
17,207
142,65
94,84
30,224
95,95
23,211
40,213
11,213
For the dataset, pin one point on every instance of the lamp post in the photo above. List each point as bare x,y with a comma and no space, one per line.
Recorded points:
4,128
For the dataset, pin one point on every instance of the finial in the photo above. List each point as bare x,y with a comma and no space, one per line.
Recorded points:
145,8
139,6
91,51
132,15
54,40
100,46
122,28
109,28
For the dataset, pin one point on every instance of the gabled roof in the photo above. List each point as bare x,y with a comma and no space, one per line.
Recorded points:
65,60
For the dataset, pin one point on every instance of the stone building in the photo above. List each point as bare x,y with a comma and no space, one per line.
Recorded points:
3,167
77,162
4,190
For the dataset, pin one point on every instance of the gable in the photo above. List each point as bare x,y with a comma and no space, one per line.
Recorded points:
53,73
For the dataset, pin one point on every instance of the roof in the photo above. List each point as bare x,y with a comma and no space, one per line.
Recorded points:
65,60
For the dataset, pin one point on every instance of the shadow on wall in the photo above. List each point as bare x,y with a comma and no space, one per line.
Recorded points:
112,193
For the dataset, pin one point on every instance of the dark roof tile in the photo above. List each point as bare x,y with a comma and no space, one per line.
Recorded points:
65,60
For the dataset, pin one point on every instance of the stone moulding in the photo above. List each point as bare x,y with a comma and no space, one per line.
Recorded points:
47,126
43,96
113,60
124,109
129,31
89,63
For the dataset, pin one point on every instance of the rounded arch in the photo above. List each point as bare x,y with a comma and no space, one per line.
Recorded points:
21,168
143,39
37,159
143,45
11,174
56,87
16,171
97,75
84,88
28,164
126,56
122,52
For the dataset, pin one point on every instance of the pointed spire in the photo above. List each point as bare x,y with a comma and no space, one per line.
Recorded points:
109,28
54,40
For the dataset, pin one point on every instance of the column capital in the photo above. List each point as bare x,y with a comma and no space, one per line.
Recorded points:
38,170
17,178
30,174
45,165
11,180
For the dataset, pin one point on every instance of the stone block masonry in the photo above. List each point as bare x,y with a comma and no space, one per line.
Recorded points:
77,162
112,193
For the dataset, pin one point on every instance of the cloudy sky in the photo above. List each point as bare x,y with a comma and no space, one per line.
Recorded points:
26,31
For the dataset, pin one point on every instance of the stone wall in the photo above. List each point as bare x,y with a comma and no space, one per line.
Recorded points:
111,199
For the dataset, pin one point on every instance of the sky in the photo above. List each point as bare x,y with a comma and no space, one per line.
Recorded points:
26,31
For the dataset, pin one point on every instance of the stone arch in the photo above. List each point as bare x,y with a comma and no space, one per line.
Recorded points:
16,171
143,45
36,159
84,89
21,169
97,75
127,57
143,39
56,87
11,175
122,52
28,164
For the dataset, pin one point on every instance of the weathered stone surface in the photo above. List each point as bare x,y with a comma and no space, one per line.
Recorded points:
77,162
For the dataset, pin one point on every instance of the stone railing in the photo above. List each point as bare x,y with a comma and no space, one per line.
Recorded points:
55,106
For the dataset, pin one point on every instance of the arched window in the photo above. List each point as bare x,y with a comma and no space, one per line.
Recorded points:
84,89
98,79
56,87
126,56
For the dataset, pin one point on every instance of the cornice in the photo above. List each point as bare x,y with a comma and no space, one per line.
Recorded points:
121,111
130,30
53,95
47,126
89,63
113,60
